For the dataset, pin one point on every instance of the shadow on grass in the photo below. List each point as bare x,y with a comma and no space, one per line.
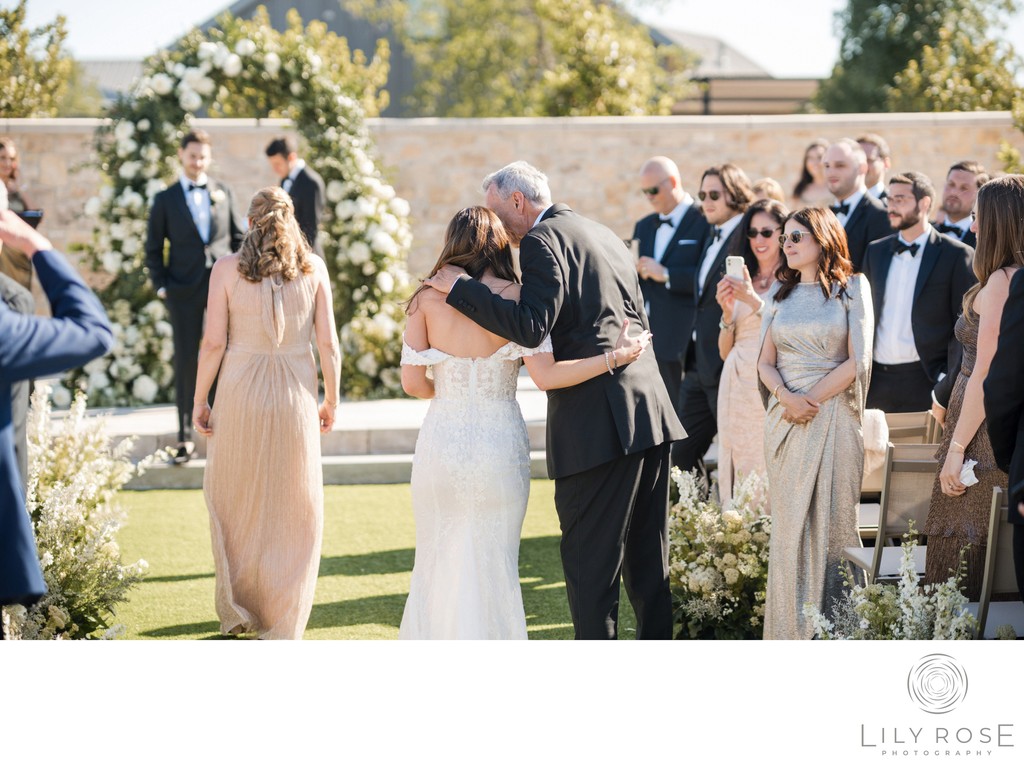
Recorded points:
180,578
187,630
375,563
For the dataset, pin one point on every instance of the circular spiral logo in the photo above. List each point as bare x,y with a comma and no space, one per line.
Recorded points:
937,683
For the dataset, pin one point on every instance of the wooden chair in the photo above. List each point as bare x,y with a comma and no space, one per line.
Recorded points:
999,580
906,494
910,427
870,505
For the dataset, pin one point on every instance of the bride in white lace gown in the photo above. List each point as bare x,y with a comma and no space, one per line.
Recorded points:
471,470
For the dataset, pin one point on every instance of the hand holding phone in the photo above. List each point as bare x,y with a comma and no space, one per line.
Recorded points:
734,267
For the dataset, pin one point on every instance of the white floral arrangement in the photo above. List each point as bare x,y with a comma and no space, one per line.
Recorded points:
246,68
718,559
905,610
73,479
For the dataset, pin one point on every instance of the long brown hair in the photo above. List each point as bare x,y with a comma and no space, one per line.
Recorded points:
8,144
477,241
834,265
274,243
1000,232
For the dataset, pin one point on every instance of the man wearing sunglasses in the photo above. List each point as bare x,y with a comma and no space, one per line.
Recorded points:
725,194
669,242
862,216
918,279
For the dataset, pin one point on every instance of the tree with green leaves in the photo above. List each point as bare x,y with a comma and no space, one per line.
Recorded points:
880,39
34,67
527,58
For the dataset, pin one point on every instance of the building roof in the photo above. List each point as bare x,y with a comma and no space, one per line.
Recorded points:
111,76
716,57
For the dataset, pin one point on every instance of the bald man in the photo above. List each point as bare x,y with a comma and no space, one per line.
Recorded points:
863,217
670,242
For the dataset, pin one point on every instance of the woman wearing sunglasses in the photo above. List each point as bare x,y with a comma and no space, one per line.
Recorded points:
814,367
740,412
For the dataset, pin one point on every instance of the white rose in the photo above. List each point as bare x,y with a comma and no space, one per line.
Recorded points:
384,244
98,381
145,389
124,130
153,187
385,282
368,270
296,88
366,166
118,230
93,206
345,209
365,207
61,396
367,365
245,47
386,192
206,50
162,84
359,253
272,63
189,100
179,70
151,153
399,207
232,65
389,223
99,363
129,170
130,246
107,193
143,125
126,147
111,262
131,334
163,328
217,196
335,190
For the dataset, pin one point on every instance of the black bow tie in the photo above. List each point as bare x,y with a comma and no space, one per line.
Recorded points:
716,233
194,186
665,221
844,208
948,228
899,246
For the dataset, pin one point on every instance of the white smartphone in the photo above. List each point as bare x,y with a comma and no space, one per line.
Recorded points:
734,266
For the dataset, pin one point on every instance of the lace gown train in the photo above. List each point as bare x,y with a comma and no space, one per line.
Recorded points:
470,484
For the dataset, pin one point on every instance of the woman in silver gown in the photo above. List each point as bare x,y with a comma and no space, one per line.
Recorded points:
814,367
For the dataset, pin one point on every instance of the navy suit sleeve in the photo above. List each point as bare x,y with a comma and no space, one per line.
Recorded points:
156,234
78,331
529,321
1004,384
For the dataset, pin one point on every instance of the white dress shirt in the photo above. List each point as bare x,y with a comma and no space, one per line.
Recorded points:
854,200
877,190
663,236
198,201
894,339
286,184
712,252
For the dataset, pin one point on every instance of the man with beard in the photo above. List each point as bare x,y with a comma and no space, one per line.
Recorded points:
862,216
962,183
918,279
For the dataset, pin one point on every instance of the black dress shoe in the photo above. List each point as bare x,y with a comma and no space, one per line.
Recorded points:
184,453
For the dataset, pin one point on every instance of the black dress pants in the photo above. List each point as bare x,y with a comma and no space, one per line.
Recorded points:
187,323
698,412
899,388
672,373
614,520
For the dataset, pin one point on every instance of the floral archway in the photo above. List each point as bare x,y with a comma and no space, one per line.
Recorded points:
247,68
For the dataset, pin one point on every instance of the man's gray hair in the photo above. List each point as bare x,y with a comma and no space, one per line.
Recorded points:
520,177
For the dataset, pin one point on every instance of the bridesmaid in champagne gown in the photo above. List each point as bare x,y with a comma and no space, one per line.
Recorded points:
740,411
264,479
814,368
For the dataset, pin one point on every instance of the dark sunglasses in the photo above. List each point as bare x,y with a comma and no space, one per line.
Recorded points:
652,190
715,195
794,236
766,233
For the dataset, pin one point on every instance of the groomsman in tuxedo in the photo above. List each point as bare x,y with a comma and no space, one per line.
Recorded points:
725,194
958,197
303,184
196,216
918,279
608,438
1004,412
876,151
862,216
670,241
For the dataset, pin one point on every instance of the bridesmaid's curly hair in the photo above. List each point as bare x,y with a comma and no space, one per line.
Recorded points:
274,243
834,265
477,241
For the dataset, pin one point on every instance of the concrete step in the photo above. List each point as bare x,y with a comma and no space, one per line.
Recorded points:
338,469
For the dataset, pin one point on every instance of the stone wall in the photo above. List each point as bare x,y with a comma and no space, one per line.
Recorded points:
592,162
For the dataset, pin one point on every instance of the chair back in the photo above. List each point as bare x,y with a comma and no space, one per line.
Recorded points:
909,427
999,578
910,471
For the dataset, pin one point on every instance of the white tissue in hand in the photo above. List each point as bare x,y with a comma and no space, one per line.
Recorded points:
967,477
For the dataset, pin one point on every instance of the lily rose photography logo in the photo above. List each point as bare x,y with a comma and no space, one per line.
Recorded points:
937,685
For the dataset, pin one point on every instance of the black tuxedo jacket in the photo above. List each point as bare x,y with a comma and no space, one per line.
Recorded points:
969,238
183,269
673,304
707,316
866,223
307,193
1004,395
944,277
579,284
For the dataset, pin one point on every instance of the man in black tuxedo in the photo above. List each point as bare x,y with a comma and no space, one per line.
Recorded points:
608,438
876,152
962,183
670,241
862,216
303,184
1004,412
918,279
196,216
725,194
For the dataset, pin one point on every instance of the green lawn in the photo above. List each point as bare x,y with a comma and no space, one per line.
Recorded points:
365,565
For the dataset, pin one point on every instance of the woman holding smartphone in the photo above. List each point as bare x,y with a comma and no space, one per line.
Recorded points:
814,367
750,277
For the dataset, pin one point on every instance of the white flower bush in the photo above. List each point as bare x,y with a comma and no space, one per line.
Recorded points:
907,610
718,560
74,477
247,68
